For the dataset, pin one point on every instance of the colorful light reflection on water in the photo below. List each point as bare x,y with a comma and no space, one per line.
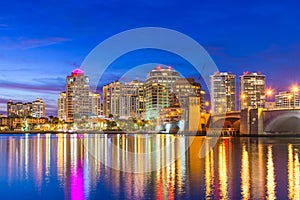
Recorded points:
59,166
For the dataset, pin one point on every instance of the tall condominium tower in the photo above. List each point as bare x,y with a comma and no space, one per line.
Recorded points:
96,104
132,101
187,87
38,108
62,106
223,92
159,84
124,100
252,90
111,98
77,101
77,91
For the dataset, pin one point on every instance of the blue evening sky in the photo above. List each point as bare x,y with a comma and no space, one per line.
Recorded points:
43,41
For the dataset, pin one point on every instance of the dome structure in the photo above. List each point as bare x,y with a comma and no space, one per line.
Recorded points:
77,72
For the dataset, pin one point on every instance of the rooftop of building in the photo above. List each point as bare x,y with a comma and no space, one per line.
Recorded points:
77,72
247,73
160,68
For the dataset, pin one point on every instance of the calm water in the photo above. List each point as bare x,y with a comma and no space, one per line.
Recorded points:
71,167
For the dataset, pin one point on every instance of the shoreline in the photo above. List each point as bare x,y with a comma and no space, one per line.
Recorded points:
296,135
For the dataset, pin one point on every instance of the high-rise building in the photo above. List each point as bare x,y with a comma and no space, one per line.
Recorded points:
78,101
287,100
252,90
111,99
124,100
77,91
132,100
38,108
183,89
185,94
95,101
34,109
62,106
223,92
158,86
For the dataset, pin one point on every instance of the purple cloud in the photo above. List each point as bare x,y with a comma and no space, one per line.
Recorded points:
29,43
40,87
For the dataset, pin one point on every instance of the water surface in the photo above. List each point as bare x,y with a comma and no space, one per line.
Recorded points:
62,166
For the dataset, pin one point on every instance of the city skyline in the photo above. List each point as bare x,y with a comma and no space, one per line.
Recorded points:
269,94
229,32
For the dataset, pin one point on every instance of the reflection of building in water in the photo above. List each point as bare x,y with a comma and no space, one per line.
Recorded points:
223,170
209,172
78,161
270,178
245,174
293,173
257,168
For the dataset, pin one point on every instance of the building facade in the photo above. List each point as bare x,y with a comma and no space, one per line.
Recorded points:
252,90
287,100
111,99
36,109
96,103
124,100
77,92
62,106
158,86
223,92
78,101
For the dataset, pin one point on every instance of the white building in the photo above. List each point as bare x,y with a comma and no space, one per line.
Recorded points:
252,90
78,101
287,100
159,83
223,92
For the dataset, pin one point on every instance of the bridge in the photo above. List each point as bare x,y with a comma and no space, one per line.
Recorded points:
260,121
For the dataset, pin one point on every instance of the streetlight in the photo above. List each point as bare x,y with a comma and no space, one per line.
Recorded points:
269,94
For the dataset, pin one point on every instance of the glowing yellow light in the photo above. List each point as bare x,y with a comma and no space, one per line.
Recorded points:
245,174
295,88
269,92
271,183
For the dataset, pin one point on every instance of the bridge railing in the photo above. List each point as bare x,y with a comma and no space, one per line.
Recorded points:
222,132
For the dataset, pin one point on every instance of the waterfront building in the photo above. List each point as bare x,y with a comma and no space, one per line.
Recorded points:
132,100
252,90
38,108
223,92
158,86
62,106
77,93
95,101
183,89
30,109
287,100
111,99
124,100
